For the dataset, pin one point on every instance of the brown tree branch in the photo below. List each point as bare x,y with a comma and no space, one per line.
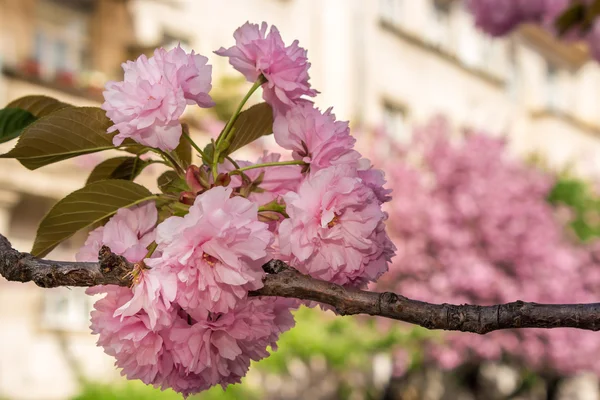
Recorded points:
284,281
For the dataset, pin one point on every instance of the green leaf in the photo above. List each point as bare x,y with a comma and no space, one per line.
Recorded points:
251,124
183,152
84,208
66,133
39,106
170,182
12,122
127,168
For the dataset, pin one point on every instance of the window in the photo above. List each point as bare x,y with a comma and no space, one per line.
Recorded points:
390,10
66,309
439,31
394,124
552,87
61,39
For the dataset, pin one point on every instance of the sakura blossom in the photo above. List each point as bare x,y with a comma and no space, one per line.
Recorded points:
285,68
216,251
127,234
314,137
333,232
147,104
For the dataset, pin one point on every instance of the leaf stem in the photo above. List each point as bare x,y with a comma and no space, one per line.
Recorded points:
271,164
172,162
224,135
194,145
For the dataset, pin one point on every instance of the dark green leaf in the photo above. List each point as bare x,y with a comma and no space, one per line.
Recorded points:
127,168
170,182
251,124
39,106
84,208
12,122
183,152
66,133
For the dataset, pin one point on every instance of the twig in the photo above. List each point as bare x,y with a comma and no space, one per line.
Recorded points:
283,281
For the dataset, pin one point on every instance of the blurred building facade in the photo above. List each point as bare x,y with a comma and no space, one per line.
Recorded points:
385,65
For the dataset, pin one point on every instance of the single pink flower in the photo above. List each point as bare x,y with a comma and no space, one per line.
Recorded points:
90,249
147,104
154,291
138,349
285,68
218,347
127,234
131,231
216,251
315,137
335,231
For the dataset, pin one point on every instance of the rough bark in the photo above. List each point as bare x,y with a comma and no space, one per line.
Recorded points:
283,281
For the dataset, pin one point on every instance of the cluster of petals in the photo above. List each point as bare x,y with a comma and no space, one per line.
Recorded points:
335,231
187,322
147,104
189,355
127,234
285,68
216,251
315,137
158,331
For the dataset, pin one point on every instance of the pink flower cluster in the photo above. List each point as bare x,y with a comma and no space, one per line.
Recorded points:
473,226
147,104
188,322
500,17
285,68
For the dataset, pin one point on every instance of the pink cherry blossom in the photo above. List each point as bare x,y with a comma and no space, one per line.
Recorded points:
131,231
91,248
138,350
219,347
335,229
315,137
154,291
285,68
127,234
216,251
147,104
